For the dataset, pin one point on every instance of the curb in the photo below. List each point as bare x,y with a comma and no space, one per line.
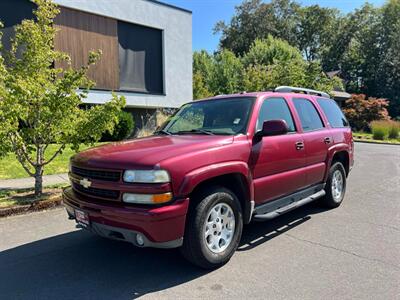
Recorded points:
376,143
36,206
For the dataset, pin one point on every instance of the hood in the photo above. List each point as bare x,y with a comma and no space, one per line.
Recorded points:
146,152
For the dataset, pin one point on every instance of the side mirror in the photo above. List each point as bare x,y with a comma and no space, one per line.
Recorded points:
273,127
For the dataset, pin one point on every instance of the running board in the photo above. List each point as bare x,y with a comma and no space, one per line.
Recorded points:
289,207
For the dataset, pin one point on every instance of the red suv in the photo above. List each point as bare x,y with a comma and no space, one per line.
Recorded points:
215,165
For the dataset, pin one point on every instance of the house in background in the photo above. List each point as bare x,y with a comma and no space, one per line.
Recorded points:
338,93
146,45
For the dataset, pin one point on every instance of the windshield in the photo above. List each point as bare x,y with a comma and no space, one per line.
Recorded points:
227,116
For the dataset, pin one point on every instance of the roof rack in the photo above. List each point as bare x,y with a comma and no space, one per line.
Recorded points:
292,89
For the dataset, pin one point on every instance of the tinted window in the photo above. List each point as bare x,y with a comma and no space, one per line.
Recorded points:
140,58
12,12
333,113
309,117
275,109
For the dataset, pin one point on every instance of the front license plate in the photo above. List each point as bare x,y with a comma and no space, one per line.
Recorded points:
82,218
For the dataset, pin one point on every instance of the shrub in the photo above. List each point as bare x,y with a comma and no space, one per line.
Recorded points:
394,130
361,111
123,128
380,129
378,133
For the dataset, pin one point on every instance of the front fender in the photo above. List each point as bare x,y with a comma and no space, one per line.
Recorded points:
195,177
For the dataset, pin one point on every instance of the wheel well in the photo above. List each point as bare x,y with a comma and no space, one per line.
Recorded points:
235,182
342,157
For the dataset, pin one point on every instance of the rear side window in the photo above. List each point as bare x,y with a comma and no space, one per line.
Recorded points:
332,111
275,109
309,117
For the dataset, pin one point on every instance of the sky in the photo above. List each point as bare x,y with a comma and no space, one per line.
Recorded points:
206,13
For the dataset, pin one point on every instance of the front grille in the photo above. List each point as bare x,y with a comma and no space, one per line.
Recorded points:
101,193
97,174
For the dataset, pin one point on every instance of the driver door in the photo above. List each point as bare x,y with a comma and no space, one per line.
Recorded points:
277,161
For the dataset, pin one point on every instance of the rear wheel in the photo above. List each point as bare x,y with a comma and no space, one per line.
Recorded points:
213,229
335,186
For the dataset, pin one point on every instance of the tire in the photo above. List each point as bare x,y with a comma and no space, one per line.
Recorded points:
198,246
333,198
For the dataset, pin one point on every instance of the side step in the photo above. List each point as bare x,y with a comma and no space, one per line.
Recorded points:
281,210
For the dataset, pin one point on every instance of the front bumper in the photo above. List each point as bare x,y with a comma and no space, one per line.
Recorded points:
161,227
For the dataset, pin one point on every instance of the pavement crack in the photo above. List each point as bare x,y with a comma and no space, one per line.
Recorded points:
342,251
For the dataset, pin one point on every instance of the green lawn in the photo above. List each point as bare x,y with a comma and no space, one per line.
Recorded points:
362,136
11,168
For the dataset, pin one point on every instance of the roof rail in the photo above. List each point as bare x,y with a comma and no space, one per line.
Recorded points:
292,89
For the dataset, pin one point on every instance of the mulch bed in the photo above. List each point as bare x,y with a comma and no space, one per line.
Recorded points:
52,199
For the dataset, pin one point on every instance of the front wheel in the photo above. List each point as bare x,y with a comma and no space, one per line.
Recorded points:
335,186
213,228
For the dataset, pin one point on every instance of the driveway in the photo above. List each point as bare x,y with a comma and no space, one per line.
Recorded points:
352,252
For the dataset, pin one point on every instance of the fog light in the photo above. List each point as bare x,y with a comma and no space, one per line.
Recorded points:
140,239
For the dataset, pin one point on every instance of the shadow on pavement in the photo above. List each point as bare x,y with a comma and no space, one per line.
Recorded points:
80,265
257,233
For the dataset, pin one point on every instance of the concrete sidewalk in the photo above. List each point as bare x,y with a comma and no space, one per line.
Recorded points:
24,183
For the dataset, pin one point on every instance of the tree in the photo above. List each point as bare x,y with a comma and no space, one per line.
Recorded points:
388,72
226,73
40,104
268,64
291,73
316,27
366,52
200,89
309,29
364,44
202,68
269,51
361,111
255,19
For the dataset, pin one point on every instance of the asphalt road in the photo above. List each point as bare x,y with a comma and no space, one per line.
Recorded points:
352,252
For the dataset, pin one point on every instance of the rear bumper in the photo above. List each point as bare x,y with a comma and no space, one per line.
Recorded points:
161,227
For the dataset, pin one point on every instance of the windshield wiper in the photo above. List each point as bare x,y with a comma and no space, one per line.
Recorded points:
208,132
163,132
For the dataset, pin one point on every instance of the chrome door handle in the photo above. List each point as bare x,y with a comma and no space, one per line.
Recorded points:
299,145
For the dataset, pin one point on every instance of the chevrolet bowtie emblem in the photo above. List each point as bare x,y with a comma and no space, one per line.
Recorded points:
85,183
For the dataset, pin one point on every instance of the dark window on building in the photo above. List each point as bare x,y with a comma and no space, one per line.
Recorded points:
309,117
275,109
332,111
140,58
12,12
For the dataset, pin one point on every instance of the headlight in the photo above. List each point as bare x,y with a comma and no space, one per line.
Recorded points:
146,176
146,198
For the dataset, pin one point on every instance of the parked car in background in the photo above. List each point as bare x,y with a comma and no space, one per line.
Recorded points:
217,164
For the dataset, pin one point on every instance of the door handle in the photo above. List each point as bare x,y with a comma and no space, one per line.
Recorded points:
327,140
299,145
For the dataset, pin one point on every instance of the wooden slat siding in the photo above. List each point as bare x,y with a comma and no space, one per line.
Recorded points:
79,33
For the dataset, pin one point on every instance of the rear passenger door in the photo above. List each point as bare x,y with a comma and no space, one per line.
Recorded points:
316,139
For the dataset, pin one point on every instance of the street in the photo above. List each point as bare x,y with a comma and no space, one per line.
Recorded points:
352,252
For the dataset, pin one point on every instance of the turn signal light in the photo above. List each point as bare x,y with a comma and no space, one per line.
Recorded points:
146,198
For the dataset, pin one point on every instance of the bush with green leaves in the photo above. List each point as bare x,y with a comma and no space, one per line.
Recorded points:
123,128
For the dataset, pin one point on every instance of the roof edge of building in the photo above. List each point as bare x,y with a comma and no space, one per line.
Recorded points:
170,6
